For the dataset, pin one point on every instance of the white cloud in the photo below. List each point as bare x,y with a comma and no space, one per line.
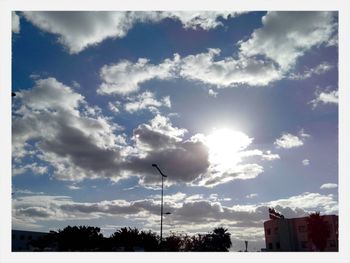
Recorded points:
34,167
78,30
306,162
163,125
333,41
18,191
15,23
253,195
329,186
76,84
188,161
146,100
192,214
185,209
288,141
173,199
52,122
212,93
303,134
308,73
125,77
228,71
51,94
268,156
310,202
326,97
212,197
230,158
285,36
60,122
200,19
282,39
114,107
73,187
193,161
166,101
216,176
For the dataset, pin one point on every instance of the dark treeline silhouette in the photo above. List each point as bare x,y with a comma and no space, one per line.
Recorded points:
87,238
318,230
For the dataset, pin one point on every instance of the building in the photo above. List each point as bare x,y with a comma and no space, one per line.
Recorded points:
21,240
292,234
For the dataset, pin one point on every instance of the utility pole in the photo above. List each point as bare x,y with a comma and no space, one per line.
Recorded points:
161,202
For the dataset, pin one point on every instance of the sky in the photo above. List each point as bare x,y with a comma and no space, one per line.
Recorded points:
238,109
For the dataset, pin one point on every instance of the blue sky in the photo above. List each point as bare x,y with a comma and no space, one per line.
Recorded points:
240,110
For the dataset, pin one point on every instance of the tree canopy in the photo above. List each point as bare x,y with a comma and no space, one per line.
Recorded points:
318,230
87,238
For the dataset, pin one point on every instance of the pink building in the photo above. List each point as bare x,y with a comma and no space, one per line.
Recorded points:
291,234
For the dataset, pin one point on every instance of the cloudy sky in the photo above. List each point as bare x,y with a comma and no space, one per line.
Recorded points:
240,110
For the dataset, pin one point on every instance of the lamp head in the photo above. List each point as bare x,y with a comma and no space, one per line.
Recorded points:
154,165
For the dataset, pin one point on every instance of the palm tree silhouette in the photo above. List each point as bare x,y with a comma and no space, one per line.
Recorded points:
318,230
221,239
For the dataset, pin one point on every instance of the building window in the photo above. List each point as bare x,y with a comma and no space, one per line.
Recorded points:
268,231
278,246
270,246
303,244
302,229
13,237
29,237
21,237
275,231
332,243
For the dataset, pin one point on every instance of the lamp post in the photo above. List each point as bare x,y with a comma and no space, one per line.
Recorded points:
161,202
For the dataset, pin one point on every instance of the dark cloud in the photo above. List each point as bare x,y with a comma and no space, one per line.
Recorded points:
39,212
82,151
188,213
71,136
184,162
108,208
79,143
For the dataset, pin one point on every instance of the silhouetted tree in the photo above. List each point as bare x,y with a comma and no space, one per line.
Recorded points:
199,243
149,240
318,230
76,238
86,238
127,238
174,242
220,239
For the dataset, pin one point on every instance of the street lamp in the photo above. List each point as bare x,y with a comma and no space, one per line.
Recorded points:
161,203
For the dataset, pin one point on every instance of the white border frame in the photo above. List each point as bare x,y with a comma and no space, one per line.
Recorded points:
6,6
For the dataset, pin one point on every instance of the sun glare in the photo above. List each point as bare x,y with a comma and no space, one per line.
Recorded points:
224,146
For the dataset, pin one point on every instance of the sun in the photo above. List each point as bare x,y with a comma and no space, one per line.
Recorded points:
225,145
